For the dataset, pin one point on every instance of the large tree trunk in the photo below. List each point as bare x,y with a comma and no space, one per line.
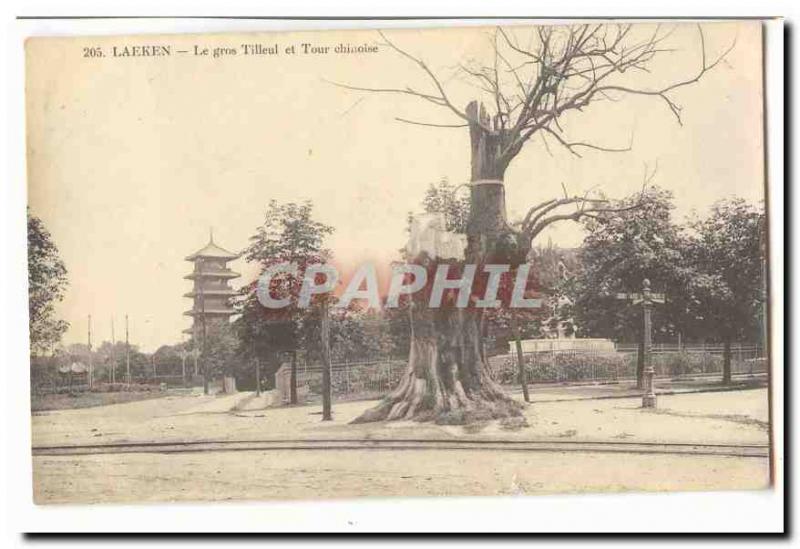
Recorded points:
447,379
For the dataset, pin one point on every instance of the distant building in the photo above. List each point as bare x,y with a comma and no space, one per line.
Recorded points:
211,292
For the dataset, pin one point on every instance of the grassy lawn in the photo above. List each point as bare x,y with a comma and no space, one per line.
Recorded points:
42,403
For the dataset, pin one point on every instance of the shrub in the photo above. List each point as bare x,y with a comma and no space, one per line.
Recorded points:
359,380
566,366
680,363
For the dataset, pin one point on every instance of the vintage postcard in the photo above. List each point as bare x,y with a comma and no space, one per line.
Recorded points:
458,261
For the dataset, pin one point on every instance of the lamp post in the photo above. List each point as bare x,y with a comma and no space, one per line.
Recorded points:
647,298
649,397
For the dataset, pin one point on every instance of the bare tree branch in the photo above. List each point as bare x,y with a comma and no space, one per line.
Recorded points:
442,95
543,209
662,93
431,124
406,91
532,86
570,146
534,230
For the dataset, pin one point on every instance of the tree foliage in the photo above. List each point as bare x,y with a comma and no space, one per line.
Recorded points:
619,252
709,269
47,282
168,359
726,251
444,198
220,349
289,234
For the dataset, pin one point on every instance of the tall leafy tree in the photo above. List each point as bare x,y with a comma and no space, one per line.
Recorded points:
47,282
728,290
621,250
168,359
289,234
221,346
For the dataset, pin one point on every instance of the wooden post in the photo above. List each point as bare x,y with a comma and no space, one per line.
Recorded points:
258,376
127,353
520,358
203,325
183,366
764,292
91,369
113,373
326,364
726,361
293,379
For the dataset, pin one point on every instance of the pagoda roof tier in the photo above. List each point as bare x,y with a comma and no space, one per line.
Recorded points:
211,312
216,273
212,251
211,293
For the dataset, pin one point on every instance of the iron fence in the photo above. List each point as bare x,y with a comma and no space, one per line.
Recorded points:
77,383
373,379
593,365
349,380
362,380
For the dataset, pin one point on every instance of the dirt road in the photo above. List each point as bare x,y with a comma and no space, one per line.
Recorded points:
725,418
737,417
297,474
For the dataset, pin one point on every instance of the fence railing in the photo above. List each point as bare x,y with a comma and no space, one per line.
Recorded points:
362,380
56,383
349,380
588,365
373,379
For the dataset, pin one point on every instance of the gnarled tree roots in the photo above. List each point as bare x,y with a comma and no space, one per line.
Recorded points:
438,388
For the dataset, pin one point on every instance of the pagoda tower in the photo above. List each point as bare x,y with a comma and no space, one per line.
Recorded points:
211,291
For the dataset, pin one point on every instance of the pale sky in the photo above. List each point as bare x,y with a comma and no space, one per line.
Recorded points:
131,160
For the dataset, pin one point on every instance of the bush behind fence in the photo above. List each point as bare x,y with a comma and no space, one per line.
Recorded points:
373,379
587,365
362,380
